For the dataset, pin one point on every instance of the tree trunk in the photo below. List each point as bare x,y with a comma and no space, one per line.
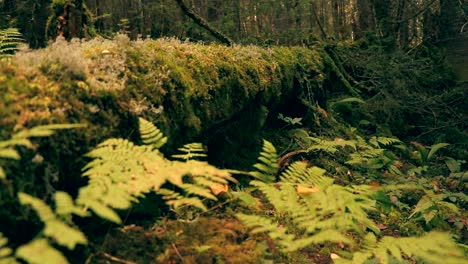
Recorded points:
365,18
204,24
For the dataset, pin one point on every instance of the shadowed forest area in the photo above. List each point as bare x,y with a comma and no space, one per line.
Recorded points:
233,131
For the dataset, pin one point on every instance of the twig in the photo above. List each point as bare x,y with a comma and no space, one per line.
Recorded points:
116,259
178,253
290,154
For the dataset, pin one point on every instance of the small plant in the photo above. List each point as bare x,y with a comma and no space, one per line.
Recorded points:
289,120
10,38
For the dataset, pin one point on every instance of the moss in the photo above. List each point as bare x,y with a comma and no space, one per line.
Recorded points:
185,89
222,241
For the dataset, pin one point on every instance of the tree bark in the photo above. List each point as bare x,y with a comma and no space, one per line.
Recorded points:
204,24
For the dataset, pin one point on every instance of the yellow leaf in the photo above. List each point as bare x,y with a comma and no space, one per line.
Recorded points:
306,190
218,188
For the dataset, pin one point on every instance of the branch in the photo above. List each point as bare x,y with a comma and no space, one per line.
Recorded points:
204,24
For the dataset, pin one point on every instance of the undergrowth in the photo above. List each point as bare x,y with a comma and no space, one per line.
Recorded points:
298,208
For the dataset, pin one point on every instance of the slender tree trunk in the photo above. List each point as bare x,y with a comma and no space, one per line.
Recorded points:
204,24
451,20
365,18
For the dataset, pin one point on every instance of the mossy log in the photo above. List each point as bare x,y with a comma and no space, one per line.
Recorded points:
184,88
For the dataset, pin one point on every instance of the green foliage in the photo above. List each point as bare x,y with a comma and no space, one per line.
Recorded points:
310,209
289,120
433,247
7,147
10,38
40,251
150,134
267,163
55,228
121,172
425,154
310,204
190,151
330,146
6,253
432,207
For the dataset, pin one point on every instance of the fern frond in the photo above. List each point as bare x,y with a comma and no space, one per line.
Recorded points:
150,134
10,38
6,253
286,241
434,247
298,173
121,172
266,165
7,150
191,151
65,206
44,212
330,146
55,229
177,200
383,141
39,251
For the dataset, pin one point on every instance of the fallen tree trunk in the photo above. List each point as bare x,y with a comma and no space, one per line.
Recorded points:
185,89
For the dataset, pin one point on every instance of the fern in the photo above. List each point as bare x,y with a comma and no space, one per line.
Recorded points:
54,227
434,247
383,141
190,151
267,163
121,172
39,251
7,147
371,155
6,253
330,146
312,206
10,38
150,134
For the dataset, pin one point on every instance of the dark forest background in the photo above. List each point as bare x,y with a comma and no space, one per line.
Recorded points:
405,23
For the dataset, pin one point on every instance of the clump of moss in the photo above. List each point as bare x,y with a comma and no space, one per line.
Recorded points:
206,240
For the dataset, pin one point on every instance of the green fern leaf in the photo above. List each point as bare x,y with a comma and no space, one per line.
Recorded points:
435,148
267,163
64,234
66,206
54,228
434,247
177,200
104,211
150,134
330,146
10,38
2,173
39,251
45,130
190,151
42,209
6,253
9,153
383,141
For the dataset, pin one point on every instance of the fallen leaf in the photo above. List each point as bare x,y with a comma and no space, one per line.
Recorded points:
306,190
218,188
334,256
